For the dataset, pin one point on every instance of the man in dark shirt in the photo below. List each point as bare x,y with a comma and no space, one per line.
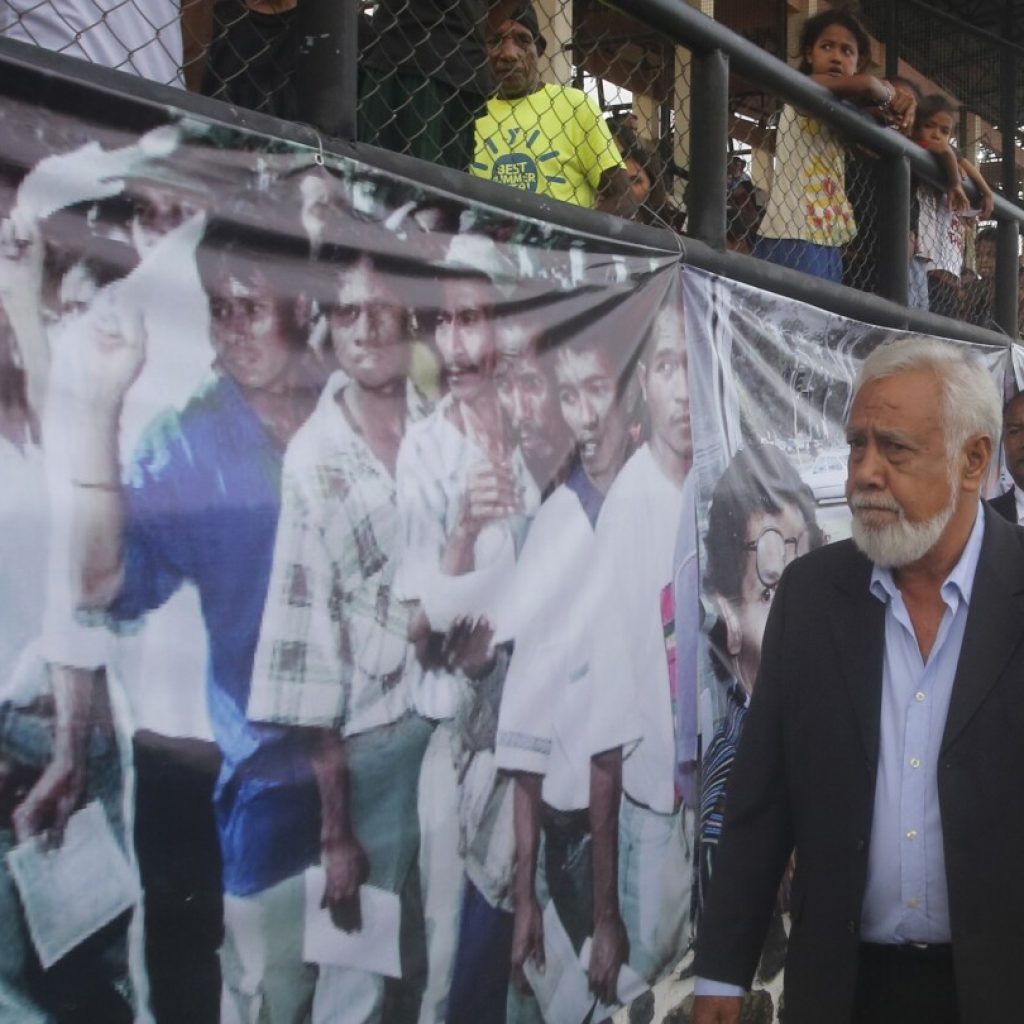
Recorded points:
424,79
253,55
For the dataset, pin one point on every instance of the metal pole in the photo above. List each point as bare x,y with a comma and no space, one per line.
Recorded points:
666,112
892,40
1007,260
326,74
709,144
894,229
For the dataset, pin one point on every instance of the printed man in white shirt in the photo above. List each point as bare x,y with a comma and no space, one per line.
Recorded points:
175,765
465,497
634,588
542,730
528,394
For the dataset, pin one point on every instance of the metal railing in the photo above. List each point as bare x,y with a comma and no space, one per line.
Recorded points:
326,81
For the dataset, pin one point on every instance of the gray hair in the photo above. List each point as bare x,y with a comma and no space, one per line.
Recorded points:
971,403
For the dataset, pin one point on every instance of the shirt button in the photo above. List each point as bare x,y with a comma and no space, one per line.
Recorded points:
915,762
912,834
919,696
913,903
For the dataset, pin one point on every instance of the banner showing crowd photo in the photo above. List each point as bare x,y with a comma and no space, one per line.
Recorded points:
378,571
303,466
771,387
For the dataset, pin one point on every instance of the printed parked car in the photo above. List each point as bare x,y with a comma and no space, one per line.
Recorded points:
826,476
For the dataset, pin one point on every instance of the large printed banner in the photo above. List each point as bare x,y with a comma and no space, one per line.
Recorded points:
382,580
771,387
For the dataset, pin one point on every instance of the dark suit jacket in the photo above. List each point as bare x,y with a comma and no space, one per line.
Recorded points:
1006,505
804,777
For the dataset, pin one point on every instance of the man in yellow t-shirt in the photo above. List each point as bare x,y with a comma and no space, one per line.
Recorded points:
548,139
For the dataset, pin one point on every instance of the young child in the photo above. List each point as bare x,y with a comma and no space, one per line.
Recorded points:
940,239
980,290
809,216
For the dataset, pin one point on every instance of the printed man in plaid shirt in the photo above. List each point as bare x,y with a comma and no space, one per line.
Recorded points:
333,656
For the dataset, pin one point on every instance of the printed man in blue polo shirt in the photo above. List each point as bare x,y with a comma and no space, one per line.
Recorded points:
199,502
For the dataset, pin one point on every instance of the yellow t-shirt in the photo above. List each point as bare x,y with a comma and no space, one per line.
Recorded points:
553,142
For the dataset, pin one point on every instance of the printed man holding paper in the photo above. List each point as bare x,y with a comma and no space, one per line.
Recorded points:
334,655
199,503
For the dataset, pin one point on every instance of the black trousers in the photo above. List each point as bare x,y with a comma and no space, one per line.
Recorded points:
569,869
179,858
905,985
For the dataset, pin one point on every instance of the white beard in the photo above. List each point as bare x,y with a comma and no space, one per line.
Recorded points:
902,542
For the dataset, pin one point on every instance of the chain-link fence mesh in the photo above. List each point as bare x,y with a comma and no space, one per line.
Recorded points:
251,57
963,48
969,61
142,37
587,104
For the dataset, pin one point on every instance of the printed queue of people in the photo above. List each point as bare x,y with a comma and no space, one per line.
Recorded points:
294,540
58,263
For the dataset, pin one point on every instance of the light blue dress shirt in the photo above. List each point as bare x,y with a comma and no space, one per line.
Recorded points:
905,898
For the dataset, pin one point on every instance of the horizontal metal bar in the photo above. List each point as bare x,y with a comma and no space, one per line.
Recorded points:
687,27
44,77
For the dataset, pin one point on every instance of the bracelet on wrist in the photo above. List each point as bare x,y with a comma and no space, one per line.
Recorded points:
96,485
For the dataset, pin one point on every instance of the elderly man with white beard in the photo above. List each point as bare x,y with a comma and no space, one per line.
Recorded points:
883,742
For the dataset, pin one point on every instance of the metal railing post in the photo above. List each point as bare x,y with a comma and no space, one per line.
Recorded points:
1007,260
894,229
892,41
709,144
327,73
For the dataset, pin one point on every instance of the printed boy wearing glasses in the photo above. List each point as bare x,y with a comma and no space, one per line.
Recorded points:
761,518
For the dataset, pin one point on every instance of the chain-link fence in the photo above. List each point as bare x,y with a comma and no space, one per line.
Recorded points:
974,63
584,103
809,185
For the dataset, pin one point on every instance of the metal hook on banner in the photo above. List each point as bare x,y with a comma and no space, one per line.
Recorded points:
676,236
318,157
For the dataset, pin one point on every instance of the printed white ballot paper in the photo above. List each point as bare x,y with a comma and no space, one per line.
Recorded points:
373,948
73,890
628,986
562,990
